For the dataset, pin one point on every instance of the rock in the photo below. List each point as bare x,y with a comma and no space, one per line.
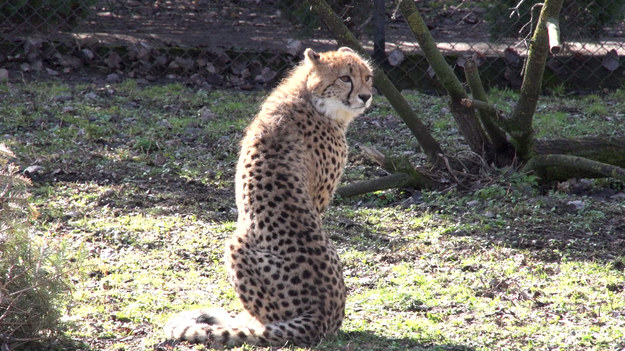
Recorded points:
215,79
205,114
255,68
87,54
185,64
512,57
36,66
112,78
113,60
63,98
52,72
33,170
173,65
72,214
473,203
220,59
266,75
611,61
471,19
197,79
165,124
396,57
4,75
430,72
576,205
70,61
294,47
160,60
91,96
618,197
201,62
159,160
238,66
461,61
143,54
32,47
210,68
245,74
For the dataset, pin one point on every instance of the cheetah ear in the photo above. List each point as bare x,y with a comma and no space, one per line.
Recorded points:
346,49
311,56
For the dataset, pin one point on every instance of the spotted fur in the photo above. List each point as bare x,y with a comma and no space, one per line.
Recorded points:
284,269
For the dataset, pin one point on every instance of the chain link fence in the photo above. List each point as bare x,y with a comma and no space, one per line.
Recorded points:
250,43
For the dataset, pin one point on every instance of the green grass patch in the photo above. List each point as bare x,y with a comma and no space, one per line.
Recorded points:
139,177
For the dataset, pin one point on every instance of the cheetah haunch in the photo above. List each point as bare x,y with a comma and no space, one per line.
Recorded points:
285,270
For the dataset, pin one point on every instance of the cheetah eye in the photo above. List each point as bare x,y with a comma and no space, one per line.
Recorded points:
345,79
368,78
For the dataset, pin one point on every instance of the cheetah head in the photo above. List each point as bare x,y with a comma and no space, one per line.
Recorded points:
340,83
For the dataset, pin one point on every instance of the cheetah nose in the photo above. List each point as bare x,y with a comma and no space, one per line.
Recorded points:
364,97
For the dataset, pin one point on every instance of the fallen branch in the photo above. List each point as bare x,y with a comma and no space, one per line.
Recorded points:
375,155
576,164
609,150
393,181
391,164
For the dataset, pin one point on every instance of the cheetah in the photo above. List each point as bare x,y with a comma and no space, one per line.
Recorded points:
284,269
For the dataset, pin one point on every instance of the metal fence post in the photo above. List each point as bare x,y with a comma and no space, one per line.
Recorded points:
379,18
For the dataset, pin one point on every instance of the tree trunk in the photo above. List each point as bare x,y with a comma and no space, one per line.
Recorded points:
521,120
552,159
467,121
495,134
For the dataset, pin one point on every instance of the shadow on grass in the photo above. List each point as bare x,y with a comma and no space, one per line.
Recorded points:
166,192
369,341
344,341
554,229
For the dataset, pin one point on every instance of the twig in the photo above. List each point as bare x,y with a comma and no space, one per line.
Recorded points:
364,24
451,172
515,10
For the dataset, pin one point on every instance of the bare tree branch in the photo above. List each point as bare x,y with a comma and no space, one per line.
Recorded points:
430,146
496,135
466,119
522,117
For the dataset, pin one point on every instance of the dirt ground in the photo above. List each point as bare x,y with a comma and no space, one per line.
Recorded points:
253,25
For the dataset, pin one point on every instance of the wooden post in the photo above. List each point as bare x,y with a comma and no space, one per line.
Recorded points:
553,31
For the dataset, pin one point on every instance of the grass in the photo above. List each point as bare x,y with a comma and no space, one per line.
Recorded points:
139,178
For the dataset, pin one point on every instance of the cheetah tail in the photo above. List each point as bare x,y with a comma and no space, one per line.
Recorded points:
215,328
